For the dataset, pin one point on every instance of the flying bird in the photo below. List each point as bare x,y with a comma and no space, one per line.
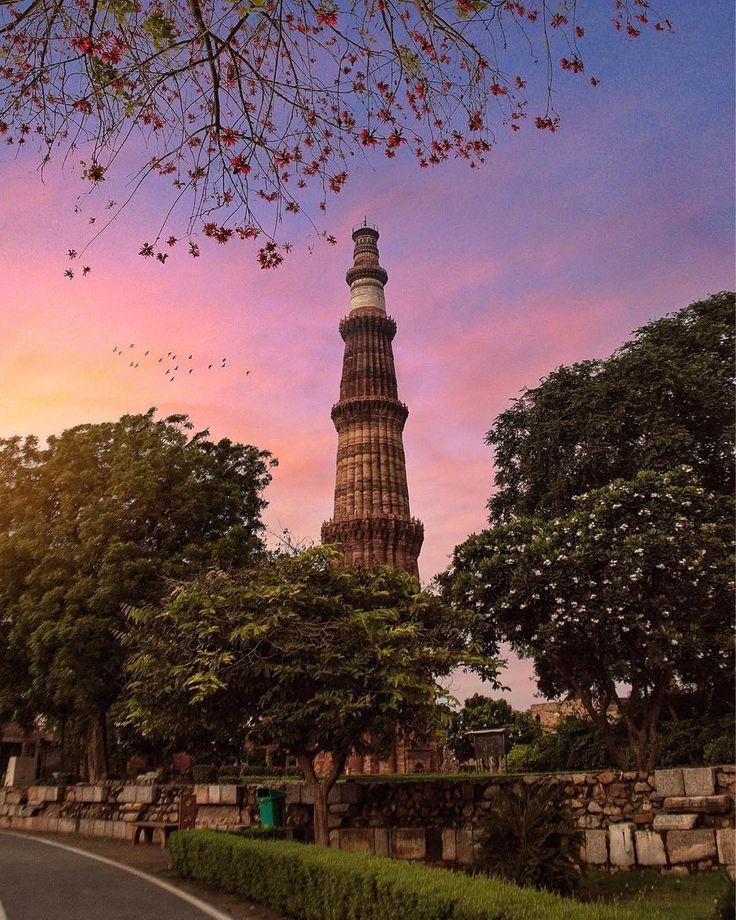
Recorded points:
145,353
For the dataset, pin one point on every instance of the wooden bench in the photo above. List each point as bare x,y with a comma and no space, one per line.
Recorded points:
184,820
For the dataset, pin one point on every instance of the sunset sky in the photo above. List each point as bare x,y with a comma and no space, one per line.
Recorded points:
554,252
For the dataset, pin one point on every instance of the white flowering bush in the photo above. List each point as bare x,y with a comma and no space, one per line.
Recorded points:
624,599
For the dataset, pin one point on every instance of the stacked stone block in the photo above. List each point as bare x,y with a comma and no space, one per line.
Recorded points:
673,820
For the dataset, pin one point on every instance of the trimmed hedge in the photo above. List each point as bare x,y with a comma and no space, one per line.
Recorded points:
316,883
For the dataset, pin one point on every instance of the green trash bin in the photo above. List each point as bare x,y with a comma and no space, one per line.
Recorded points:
271,806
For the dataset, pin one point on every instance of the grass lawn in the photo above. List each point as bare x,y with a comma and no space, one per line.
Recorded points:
676,897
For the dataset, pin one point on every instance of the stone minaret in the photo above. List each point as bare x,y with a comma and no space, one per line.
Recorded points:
372,523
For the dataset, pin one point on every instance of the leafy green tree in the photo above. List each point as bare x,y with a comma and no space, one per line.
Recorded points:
625,599
665,398
98,518
484,712
308,654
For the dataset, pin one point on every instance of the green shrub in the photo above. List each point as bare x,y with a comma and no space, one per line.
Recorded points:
528,838
204,773
718,751
265,833
522,758
316,883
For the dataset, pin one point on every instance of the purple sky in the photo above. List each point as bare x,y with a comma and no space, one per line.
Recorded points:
553,253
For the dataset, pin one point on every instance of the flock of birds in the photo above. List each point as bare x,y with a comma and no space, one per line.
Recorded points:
180,368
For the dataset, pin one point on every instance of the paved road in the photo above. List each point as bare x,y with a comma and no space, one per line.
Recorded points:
40,881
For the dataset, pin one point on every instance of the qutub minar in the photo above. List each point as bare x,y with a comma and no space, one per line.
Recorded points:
372,523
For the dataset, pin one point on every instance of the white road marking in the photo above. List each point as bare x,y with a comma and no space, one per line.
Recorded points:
206,909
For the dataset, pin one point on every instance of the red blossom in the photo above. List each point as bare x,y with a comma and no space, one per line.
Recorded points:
269,256
240,165
475,122
574,66
546,123
229,137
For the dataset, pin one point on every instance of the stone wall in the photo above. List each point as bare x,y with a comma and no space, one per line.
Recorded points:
680,820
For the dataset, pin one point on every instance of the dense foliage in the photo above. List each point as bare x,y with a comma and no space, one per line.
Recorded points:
483,712
528,838
312,656
250,110
576,744
632,589
98,518
314,883
608,557
663,399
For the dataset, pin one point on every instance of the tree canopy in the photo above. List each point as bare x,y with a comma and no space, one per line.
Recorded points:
607,559
480,711
309,655
623,600
663,399
251,109
100,517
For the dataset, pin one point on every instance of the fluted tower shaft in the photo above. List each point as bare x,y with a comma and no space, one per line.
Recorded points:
372,522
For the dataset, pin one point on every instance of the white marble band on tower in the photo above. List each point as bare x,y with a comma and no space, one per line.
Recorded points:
367,277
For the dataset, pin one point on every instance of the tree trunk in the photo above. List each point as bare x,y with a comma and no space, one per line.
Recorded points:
320,790
96,748
62,741
643,734
599,716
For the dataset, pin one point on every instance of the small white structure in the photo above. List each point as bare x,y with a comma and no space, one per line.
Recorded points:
21,771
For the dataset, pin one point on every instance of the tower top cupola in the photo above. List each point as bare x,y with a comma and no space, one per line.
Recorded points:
366,277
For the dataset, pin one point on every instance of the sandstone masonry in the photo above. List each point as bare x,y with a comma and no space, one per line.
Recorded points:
630,820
